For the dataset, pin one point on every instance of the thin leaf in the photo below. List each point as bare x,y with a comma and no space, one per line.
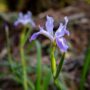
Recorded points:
60,65
85,69
38,69
47,80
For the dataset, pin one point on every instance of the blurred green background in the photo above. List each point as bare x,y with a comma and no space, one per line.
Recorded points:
76,69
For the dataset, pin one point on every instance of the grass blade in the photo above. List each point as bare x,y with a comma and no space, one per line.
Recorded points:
46,80
38,69
60,65
85,69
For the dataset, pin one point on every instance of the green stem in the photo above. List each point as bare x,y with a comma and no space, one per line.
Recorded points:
24,37
56,71
53,66
23,63
9,55
53,61
24,68
56,82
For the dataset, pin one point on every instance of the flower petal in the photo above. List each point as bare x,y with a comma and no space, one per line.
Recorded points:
49,25
31,22
62,44
65,26
43,32
60,32
34,36
28,19
20,19
67,32
20,15
18,22
29,14
62,29
66,20
25,19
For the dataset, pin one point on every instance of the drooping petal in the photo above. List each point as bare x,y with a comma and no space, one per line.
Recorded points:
20,16
16,23
62,44
20,19
43,32
49,25
67,32
34,36
31,22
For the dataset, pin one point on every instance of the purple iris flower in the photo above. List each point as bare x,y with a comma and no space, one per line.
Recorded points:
25,19
58,36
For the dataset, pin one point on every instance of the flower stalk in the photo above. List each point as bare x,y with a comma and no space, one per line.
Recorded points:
23,62
53,61
53,66
56,70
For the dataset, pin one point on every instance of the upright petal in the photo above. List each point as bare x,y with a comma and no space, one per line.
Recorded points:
66,20
29,14
19,20
65,26
49,25
60,32
62,44
20,15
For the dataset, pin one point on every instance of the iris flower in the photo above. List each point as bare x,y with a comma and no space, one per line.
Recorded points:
25,19
55,37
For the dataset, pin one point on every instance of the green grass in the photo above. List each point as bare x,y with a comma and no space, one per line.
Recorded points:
86,67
